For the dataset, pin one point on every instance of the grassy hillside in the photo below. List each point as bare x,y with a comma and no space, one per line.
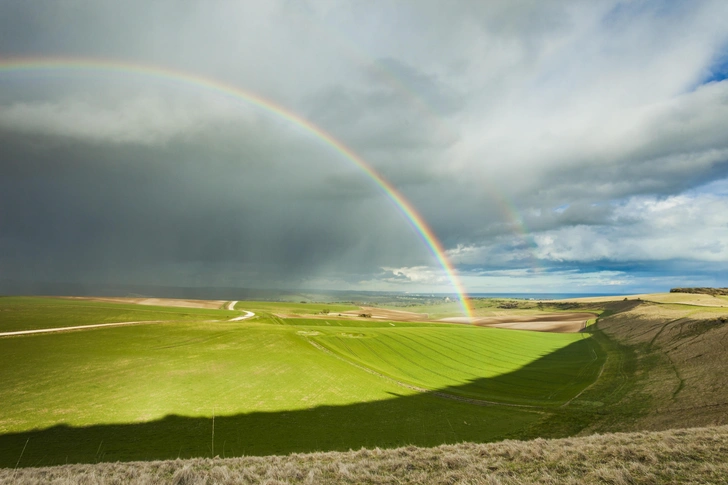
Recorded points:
699,299
31,313
497,365
275,385
675,374
677,456
294,308
707,291
493,307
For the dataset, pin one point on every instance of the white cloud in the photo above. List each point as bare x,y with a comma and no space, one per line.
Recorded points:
419,275
693,227
141,121
509,281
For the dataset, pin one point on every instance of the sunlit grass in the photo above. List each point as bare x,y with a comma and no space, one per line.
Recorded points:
141,373
31,313
503,365
270,388
291,308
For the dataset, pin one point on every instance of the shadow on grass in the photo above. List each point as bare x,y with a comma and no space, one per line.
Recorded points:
418,419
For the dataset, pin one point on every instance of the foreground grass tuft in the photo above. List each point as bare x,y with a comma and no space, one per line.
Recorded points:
698,455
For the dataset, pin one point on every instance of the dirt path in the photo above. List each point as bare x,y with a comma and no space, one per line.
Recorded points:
242,317
230,306
77,327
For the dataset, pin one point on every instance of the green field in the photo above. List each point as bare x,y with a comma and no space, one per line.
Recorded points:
480,363
27,313
274,385
489,307
294,308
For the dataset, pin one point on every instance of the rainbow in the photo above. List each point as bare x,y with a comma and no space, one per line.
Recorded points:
230,91
385,75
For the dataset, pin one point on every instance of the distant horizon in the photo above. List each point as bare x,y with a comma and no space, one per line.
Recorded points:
45,288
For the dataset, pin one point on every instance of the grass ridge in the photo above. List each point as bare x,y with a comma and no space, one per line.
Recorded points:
695,455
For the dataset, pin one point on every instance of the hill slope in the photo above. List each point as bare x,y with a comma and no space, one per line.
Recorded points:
697,455
678,374
271,385
663,368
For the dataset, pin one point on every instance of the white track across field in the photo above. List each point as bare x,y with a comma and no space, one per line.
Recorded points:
230,306
78,327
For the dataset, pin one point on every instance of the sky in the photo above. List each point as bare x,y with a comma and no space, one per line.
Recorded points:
551,146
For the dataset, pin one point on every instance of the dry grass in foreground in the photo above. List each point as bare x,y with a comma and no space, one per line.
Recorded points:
698,455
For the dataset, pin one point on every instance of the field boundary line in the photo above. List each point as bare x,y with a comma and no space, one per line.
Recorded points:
445,395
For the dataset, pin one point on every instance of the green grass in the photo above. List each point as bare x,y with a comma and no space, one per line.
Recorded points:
694,308
289,308
437,357
333,321
145,372
488,307
434,311
150,391
32,313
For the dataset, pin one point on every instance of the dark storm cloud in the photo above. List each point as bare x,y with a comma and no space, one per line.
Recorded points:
547,143
85,210
429,91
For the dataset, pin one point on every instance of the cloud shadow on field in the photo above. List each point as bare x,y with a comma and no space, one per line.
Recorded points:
422,419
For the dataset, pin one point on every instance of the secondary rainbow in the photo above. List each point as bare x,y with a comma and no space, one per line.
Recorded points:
105,65
373,64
